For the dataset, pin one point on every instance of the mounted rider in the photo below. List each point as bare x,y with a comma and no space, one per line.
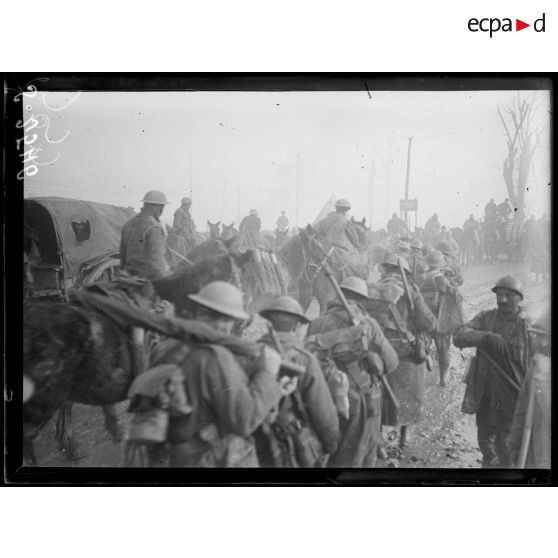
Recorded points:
307,419
331,333
142,244
471,224
282,223
498,370
396,226
249,230
184,224
432,226
337,228
504,210
491,211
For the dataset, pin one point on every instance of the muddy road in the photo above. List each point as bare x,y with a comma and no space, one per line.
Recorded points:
445,439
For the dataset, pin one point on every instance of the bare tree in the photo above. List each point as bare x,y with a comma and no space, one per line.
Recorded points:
523,141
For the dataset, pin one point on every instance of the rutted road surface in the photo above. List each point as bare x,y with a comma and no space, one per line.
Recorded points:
445,439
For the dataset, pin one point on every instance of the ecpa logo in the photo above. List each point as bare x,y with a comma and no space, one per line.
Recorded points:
494,24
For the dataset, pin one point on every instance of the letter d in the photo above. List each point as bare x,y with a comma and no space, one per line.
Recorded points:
535,25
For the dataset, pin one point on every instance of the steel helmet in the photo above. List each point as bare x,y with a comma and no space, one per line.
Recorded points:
187,201
342,202
417,243
403,246
445,247
285,305
510,283
435,259
355,285
393,259
223,298
253,212
156,197
541,325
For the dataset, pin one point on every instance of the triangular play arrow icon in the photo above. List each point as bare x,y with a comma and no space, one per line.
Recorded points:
519,25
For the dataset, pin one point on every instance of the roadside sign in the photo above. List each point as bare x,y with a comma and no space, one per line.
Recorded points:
408,205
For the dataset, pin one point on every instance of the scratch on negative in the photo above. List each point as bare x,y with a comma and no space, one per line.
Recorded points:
368,91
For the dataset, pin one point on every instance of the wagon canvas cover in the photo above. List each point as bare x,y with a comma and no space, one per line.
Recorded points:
84,230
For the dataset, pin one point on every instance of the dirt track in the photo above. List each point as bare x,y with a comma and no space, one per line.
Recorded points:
445,439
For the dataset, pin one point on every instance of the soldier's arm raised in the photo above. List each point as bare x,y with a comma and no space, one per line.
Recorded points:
241,403
471,334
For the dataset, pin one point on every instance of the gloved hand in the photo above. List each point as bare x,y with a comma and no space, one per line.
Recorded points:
494,342
288,385
269,360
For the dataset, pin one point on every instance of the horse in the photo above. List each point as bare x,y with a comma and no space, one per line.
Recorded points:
213,229
75,354
229,231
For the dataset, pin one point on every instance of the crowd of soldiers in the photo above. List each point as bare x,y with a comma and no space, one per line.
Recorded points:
319,392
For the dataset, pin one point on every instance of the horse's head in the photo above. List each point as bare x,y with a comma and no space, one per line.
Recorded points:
229,231
213,229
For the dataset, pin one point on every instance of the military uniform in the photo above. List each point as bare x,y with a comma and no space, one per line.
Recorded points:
396,226
491,211
432,226
419,268
338,231
142,246
361,432
282,223
250,228
227,403
407,380
314,395
184,224
487,394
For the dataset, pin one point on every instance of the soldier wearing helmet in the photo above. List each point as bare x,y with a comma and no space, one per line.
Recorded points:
533,409
403,325
142,243
501,339
282,223
230,396
432,226
337,229
310,405
396,226
184,224
249,230
418,266
434,287
361,432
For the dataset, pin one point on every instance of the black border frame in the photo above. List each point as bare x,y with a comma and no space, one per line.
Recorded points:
15,474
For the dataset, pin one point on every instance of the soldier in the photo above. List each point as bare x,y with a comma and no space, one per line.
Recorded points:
396,226
310,405
504,210
434,286
402,321
451,268
471,223
282,223
250,228
491,211
337,228
416,260
529,440
432,226
184,223
495,376
361,432
229,401
142,244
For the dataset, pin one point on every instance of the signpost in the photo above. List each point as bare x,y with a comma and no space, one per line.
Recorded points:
409,205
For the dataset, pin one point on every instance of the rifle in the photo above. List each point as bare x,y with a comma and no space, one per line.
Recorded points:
288,368
329,274
415,342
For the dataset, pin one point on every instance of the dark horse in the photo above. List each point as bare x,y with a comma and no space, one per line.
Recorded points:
73,354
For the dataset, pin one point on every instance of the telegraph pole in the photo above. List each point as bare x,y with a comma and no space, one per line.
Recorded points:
238,204
297,188
407,180
190,175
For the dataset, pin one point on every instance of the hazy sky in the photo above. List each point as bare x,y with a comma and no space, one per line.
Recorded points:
245,146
